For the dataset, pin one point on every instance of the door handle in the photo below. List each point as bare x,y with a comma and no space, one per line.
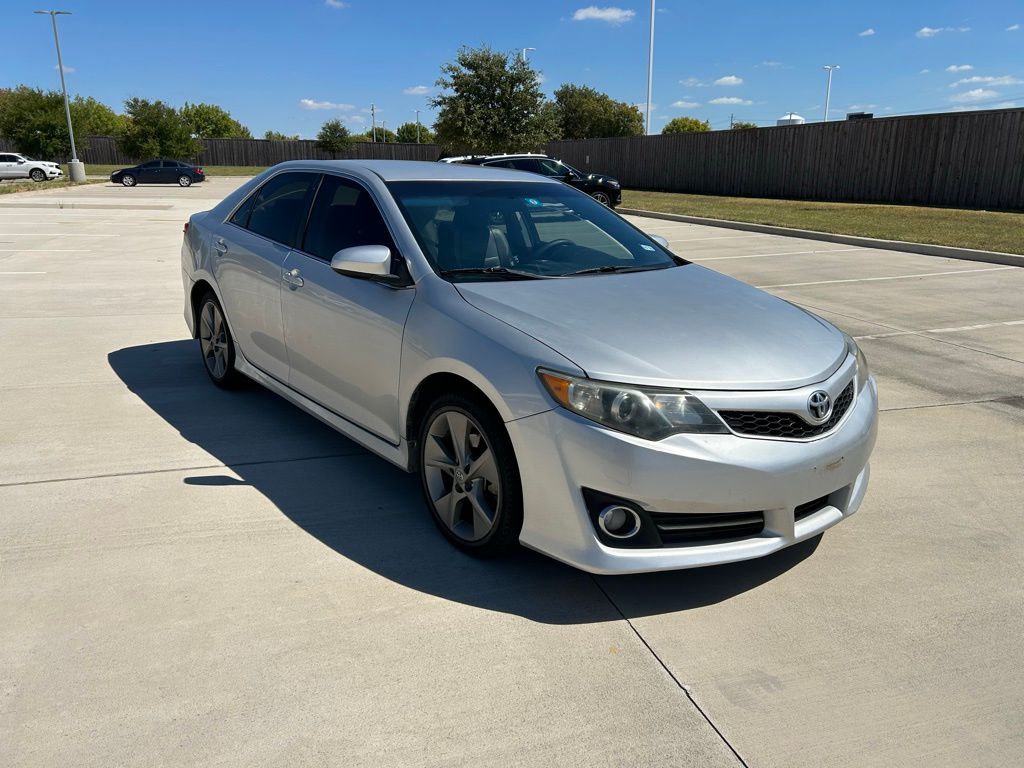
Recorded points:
220,246
291,276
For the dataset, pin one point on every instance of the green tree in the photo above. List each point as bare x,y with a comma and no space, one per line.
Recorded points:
586,113
407,132
742,125
278,136
155,129
208,121
34,121
491,102
94,118
333,137
686,125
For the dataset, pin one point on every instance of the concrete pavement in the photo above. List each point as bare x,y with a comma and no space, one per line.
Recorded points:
193,577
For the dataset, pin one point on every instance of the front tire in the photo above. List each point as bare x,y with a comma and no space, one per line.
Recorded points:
469,476
215,343
128,180
37,175
602,198
184,181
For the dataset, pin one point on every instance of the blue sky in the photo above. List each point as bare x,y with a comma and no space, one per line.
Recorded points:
292,65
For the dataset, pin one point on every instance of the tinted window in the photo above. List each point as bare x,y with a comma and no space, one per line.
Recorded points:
151,164
526,164
551,167
538,227
280,207
171,164
500,164
7,159
241,216
344,215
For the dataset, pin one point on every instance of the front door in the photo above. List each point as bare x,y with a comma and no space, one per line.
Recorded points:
344,334
249,255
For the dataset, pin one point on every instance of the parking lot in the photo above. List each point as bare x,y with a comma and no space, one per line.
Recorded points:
195,577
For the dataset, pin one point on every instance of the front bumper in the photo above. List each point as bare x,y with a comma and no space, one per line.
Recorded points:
560,453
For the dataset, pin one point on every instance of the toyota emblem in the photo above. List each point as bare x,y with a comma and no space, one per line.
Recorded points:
820,405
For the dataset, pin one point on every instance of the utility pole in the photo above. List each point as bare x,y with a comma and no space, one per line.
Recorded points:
730,121
384,130
650,70
417,125
373,121
828,87
76,170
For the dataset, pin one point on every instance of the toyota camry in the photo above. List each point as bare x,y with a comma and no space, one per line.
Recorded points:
556,377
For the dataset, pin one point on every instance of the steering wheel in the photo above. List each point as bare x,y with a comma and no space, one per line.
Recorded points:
542,252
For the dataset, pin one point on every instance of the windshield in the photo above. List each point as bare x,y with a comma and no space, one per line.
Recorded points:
486,230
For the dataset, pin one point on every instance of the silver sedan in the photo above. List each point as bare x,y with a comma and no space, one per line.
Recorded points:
556,377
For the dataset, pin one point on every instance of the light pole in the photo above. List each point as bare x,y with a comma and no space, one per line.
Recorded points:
524,54
650,70
373,121
828,87
75,168
417,125
384,130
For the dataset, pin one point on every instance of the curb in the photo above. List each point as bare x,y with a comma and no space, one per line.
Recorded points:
925,249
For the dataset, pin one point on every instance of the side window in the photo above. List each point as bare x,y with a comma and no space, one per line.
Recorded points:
279,209
527,164
344,215
7,159
500,164
171,164
551,168
241,216
151,164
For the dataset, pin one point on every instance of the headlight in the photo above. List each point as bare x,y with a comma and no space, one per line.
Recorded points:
648,413
863,372
613,184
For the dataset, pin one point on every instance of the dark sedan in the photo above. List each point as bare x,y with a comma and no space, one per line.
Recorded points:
604,189
159,172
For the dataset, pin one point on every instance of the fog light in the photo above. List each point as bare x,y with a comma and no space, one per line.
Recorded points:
619,522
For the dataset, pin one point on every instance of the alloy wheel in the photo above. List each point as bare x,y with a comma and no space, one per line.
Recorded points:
184,181
461,475
602,198
213,340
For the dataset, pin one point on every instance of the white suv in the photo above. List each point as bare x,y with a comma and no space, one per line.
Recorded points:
15,166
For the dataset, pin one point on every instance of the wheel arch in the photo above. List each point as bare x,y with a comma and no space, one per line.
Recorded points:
200,288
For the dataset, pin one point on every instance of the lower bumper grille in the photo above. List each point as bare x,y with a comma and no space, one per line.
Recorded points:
809,508
786,425
682,528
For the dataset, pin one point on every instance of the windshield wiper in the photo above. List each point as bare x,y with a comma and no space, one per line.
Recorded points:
609,268
504,272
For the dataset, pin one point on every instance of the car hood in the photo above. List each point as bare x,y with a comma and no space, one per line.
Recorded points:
600,178
685,326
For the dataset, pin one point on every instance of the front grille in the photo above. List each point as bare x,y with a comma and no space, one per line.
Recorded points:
808,508
683,528
786,425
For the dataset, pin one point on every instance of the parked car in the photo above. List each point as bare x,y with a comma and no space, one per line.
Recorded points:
16,166
604,189
159,172
555,376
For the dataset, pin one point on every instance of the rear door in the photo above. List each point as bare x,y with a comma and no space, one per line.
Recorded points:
249,254
344,334
170,171
149,173
9,167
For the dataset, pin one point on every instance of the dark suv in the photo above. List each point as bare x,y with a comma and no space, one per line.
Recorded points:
604,189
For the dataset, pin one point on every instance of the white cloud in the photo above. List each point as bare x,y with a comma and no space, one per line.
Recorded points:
685,104
417,90
313,104
976,94
1013,28
861,107
959,68
770,64
729,80
867,32
357,119
979,80
924,71
611,15
67,70
730,100
692,82
933,31
335,4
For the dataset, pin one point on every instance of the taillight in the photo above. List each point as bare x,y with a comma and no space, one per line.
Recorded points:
199,170
184,230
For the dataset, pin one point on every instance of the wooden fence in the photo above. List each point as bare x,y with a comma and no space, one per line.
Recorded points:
102,150
962,159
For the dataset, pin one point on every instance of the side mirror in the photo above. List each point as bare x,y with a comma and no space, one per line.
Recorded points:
369,261
663,242
569,176
21,162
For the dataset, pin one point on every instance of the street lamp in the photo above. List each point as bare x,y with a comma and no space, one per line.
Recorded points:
650,71
75,168
828,88
417,125
373,122
524,54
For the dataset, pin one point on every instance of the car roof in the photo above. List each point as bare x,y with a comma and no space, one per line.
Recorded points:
415,170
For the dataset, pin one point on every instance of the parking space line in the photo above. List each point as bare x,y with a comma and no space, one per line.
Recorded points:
55,234
959,329
22,273
45,250
784,253
727,237
892,277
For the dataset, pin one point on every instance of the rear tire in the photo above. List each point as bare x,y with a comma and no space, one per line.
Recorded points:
37,174
184,181
216,345
469,476
128,180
